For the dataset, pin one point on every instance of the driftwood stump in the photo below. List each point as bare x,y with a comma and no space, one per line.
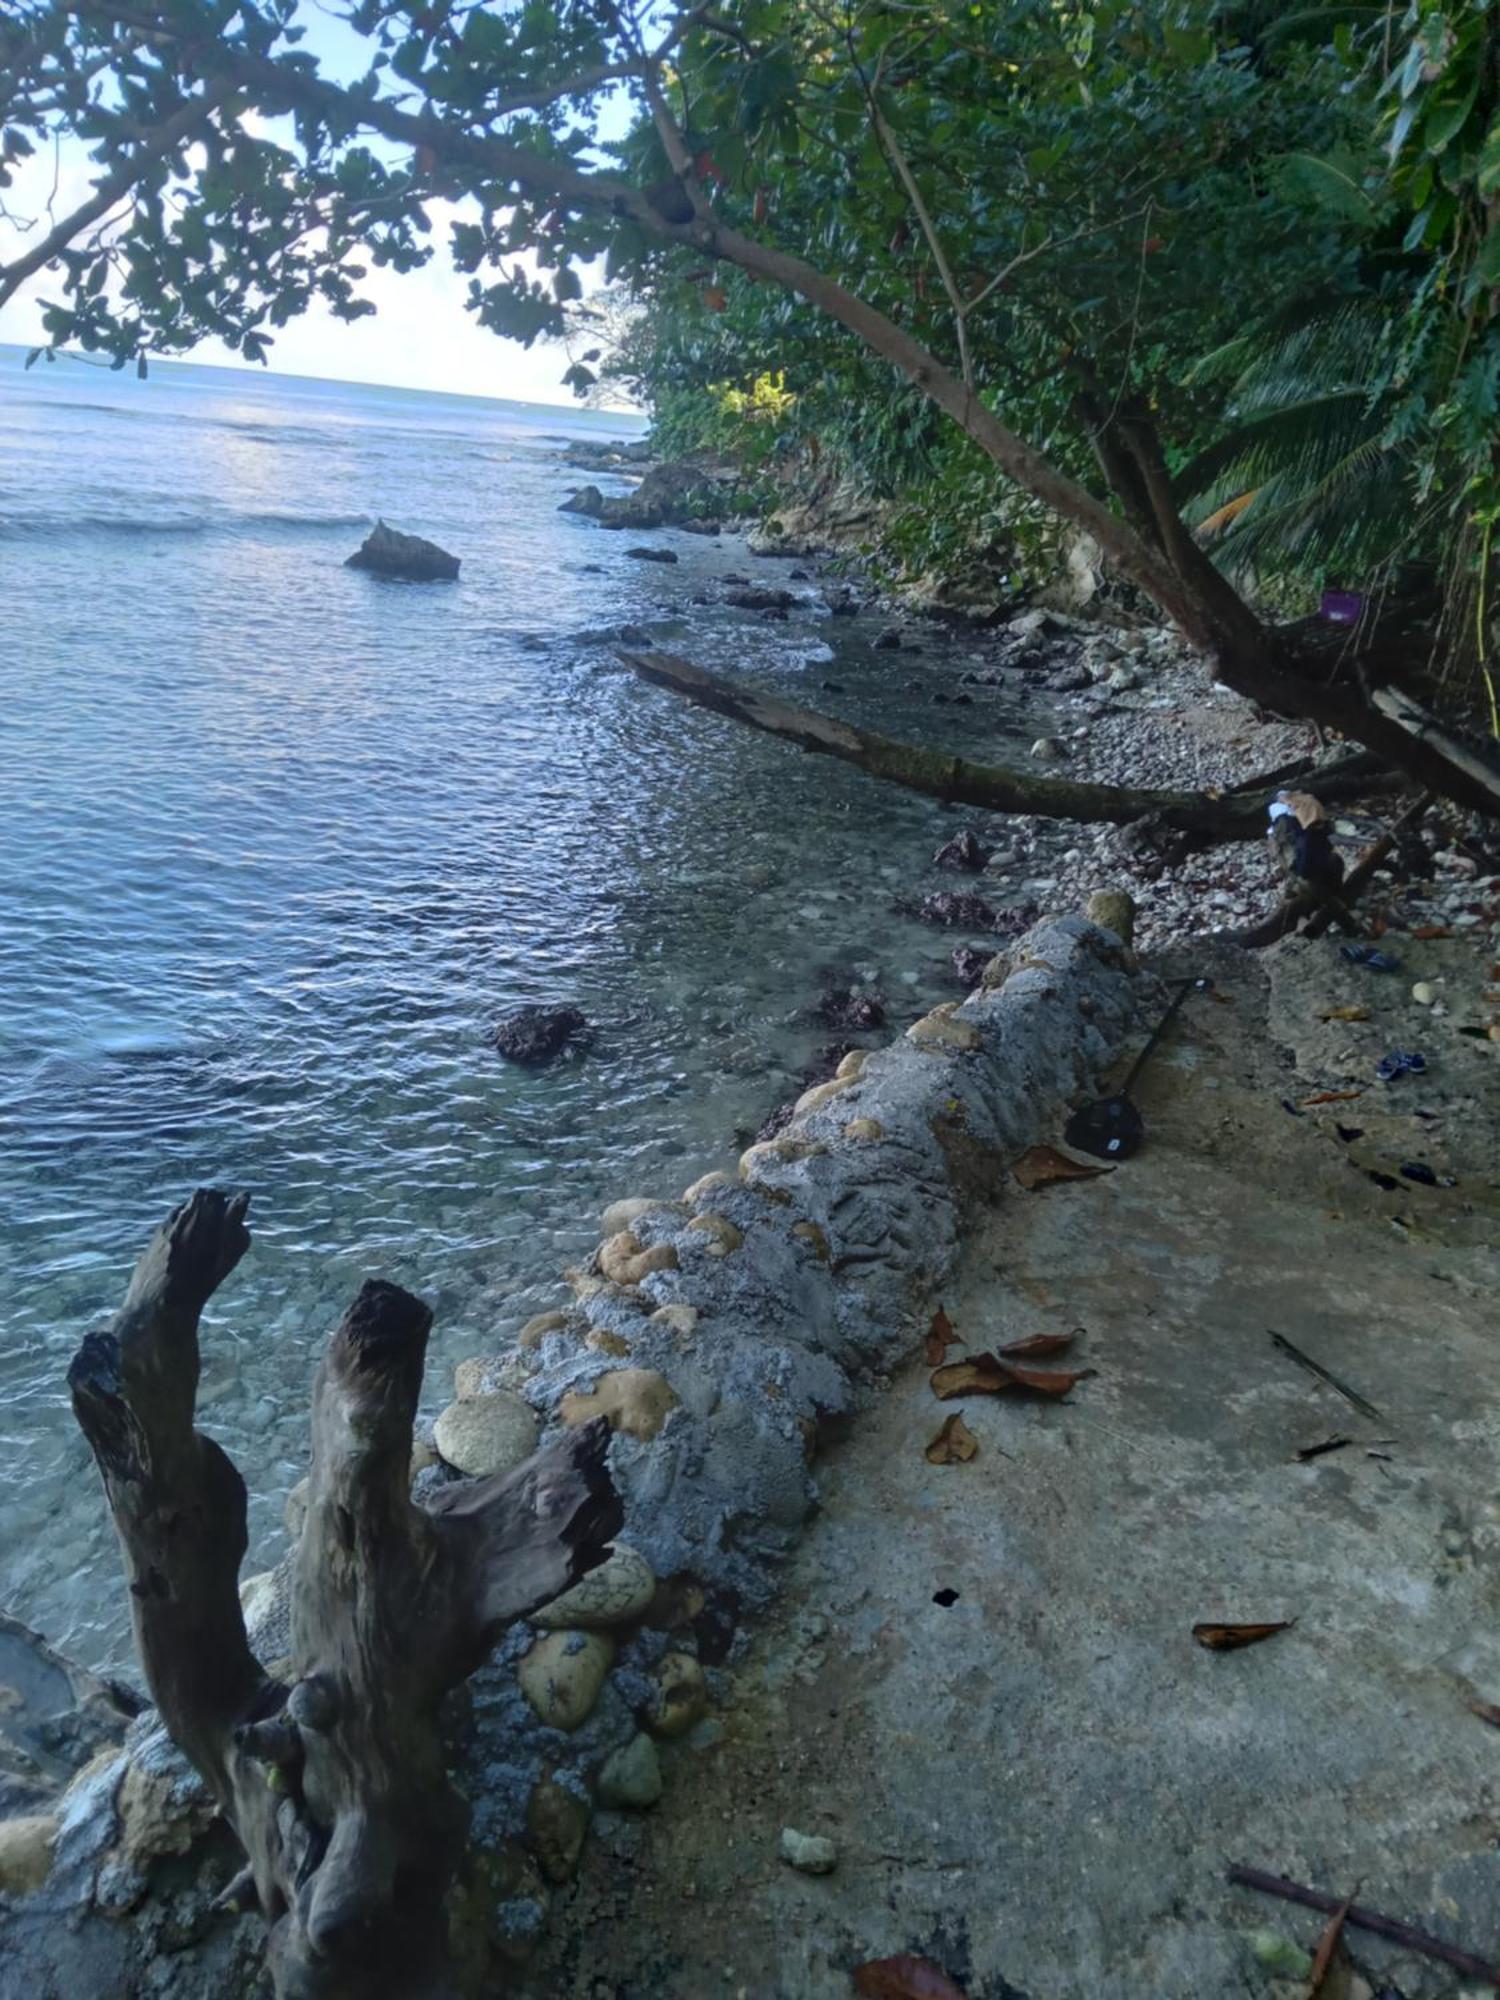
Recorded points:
334,1777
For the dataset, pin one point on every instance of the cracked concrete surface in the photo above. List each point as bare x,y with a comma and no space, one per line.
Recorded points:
1038,1785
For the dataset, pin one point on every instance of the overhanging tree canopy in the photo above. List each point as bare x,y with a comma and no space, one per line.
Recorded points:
239,181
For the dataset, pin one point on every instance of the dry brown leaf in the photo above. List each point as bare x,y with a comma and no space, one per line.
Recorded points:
988,1375
1045,1163
1426,932
904,1978
1355,1013
1487,1712
1036,1345
1229,1638
1328,1944
940,1337
955,1443
1330,1097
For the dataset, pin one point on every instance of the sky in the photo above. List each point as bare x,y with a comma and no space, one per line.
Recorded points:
419,337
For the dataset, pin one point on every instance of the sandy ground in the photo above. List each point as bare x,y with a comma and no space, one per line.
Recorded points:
1036,1782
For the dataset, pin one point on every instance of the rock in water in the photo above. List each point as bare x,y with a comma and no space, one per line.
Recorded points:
387,552
537,1034
962,851
653,555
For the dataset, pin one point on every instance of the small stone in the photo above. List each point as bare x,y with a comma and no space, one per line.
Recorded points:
556,1823
26,1853
770,1151
1423,993
626,1214
821,1093
1112,910
621,1589
562,1674
1048,750
681,1319
1122,680
864,1129
679,1697
852,1065
258,1592
812,1853
632,1776
722,1234
539,1326
940,1030
624,1262
604,1340
486,1434
810,1234
637,1401
888,641
706,1186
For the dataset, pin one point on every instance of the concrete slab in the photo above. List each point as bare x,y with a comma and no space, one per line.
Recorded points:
1038,1783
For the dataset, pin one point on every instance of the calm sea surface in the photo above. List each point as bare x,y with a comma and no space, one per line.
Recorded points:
279,841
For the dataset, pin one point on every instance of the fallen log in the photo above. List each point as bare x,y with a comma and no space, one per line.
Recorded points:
331,1768
1236,815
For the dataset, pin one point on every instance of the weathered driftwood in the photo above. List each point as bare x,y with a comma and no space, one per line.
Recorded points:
330,1769
1206,816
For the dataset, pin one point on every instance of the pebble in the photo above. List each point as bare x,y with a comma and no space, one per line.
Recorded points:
812,1853
1047,750
637,1401
679,1697
562,1674
1423,993
632,1776
481,1435
620,1590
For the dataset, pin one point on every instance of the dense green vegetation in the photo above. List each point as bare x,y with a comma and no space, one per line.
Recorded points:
1034,268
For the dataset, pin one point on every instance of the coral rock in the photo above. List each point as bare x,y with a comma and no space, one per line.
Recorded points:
637,1401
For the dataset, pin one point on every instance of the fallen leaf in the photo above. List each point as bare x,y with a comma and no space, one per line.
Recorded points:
1328,1944
1229,1638
988,1375
955,1443
1317,1450
1036,1345
1355,1013
1331,1097
940,1337
1487,1712
904,1978
1426,932
1045,1163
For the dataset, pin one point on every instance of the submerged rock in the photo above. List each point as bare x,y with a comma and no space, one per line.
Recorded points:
653,555
812,1853
962,851
753,597
848,1005
388,552
953,908
969,961
536,1034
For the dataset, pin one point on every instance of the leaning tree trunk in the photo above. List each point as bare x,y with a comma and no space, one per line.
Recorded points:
1206,817
333,1777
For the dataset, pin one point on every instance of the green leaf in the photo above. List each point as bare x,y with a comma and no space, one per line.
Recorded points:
1329,183
1488,181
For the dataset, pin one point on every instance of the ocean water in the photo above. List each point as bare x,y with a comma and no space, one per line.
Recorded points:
280,841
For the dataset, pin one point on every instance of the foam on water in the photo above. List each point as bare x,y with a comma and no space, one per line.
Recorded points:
281,841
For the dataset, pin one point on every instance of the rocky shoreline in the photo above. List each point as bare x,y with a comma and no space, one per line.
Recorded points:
730,1332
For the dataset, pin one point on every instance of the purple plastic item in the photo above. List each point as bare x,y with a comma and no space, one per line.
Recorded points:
1341,607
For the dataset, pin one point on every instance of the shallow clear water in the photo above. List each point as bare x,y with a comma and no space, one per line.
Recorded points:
280,841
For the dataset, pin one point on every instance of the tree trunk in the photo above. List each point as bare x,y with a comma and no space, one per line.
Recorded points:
333,1777
1239,814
